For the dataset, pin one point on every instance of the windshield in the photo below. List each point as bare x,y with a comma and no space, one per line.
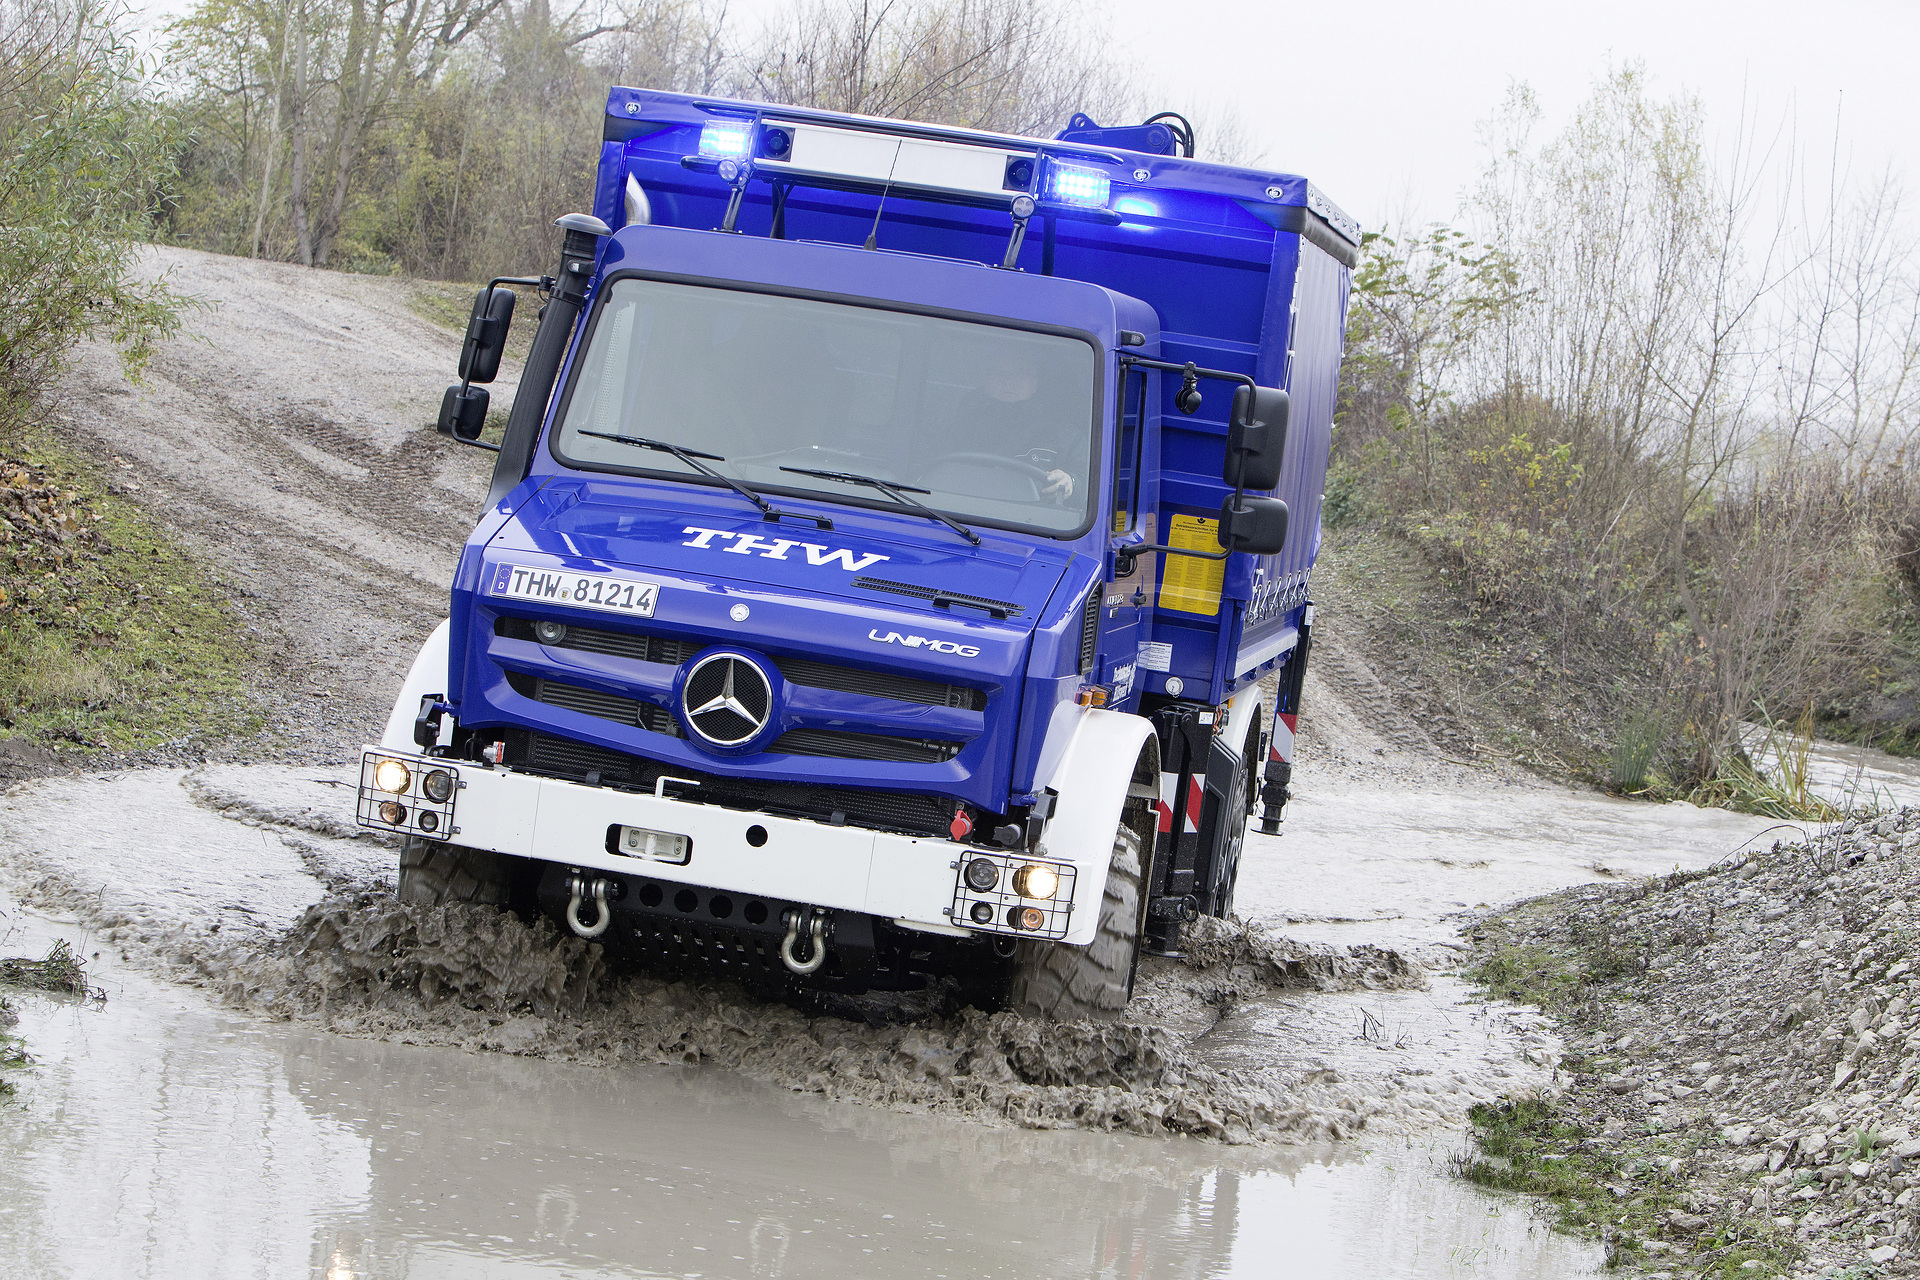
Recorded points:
994,424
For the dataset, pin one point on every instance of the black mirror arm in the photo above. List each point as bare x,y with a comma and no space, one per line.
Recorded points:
1192,373
1124,557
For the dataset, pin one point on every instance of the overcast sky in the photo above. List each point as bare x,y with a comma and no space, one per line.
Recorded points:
1377,103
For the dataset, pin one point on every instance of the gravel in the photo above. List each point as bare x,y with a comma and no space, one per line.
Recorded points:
1762,1018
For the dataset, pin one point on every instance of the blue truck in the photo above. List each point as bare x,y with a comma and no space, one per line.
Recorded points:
890,540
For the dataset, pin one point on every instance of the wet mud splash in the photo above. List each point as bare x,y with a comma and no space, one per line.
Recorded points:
1252,1038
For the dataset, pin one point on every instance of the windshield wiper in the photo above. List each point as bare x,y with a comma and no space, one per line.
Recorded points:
692,458
898,492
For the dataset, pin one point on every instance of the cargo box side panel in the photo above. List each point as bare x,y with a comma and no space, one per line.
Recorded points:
1311,379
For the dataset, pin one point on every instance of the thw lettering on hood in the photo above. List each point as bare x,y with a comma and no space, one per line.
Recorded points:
745,544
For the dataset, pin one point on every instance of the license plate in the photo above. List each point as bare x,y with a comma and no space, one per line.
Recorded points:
578,590
660,846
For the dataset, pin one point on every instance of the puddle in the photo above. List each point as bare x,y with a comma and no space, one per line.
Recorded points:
161,1133
1396,869
157,1136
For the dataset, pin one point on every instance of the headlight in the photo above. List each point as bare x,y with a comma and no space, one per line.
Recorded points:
1036,880
1026,917
437,786
392,811
392,775
550,632
982,874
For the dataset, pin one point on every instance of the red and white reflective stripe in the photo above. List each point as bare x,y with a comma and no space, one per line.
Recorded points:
1281,746
1169,791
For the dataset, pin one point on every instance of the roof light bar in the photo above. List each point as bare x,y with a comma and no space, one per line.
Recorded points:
892,161
1073,184
725,138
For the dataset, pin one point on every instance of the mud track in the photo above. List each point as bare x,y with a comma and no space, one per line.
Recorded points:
287,439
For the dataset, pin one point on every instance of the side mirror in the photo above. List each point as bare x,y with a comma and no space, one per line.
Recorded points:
1256,438
486,334
463,412
1258,525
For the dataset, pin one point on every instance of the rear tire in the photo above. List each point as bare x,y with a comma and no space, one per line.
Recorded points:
1064,984
432,874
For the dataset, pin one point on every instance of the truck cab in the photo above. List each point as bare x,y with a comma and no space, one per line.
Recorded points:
889,540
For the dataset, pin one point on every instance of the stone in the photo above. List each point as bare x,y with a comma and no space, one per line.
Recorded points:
1623,1084
1859,1168
1687,1221
1884,1254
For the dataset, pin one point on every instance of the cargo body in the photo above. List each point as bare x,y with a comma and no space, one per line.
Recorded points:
805,637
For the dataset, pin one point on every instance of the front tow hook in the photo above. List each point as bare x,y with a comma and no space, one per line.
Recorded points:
579,887
814,922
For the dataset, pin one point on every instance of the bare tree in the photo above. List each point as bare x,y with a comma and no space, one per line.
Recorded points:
998,65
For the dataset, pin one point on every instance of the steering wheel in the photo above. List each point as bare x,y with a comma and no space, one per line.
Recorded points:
1024,467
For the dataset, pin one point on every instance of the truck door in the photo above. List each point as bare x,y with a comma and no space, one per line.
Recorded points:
1126,604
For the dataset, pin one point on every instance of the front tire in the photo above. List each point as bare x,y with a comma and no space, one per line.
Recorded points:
432,874
1064,984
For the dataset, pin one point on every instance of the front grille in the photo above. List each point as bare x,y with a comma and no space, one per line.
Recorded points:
863,746
592,702
885,810
806,671
881,684
618,644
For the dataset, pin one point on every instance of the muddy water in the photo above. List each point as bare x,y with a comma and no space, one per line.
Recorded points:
1844,774
158,1136
160,1133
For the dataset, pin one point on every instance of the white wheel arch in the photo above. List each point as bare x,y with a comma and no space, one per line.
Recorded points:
427,675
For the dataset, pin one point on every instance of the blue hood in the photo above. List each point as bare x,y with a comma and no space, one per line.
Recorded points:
883,677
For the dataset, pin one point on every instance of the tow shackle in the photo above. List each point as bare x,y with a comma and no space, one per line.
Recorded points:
814,922
580,887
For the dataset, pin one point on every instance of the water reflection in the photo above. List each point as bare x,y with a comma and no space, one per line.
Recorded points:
158,1137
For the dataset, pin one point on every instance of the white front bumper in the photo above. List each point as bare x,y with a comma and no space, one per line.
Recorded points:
907,879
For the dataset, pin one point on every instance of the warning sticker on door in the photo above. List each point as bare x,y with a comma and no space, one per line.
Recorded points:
1186,584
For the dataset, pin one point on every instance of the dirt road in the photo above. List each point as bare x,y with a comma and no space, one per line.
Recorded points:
284,439
288,440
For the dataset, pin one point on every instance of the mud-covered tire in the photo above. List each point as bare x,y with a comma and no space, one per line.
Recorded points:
1064,984
432,873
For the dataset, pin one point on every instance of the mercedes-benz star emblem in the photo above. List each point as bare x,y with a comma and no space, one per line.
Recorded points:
727,699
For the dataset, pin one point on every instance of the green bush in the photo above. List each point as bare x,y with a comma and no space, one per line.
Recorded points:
84,155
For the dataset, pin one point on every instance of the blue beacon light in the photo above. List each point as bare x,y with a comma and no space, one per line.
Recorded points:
724,138
1072,184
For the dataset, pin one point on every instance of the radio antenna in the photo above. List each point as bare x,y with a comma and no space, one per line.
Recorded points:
873,234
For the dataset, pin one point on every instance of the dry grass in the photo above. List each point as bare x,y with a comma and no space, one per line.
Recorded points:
59,971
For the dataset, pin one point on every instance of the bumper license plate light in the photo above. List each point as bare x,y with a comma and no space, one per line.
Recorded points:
658,846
